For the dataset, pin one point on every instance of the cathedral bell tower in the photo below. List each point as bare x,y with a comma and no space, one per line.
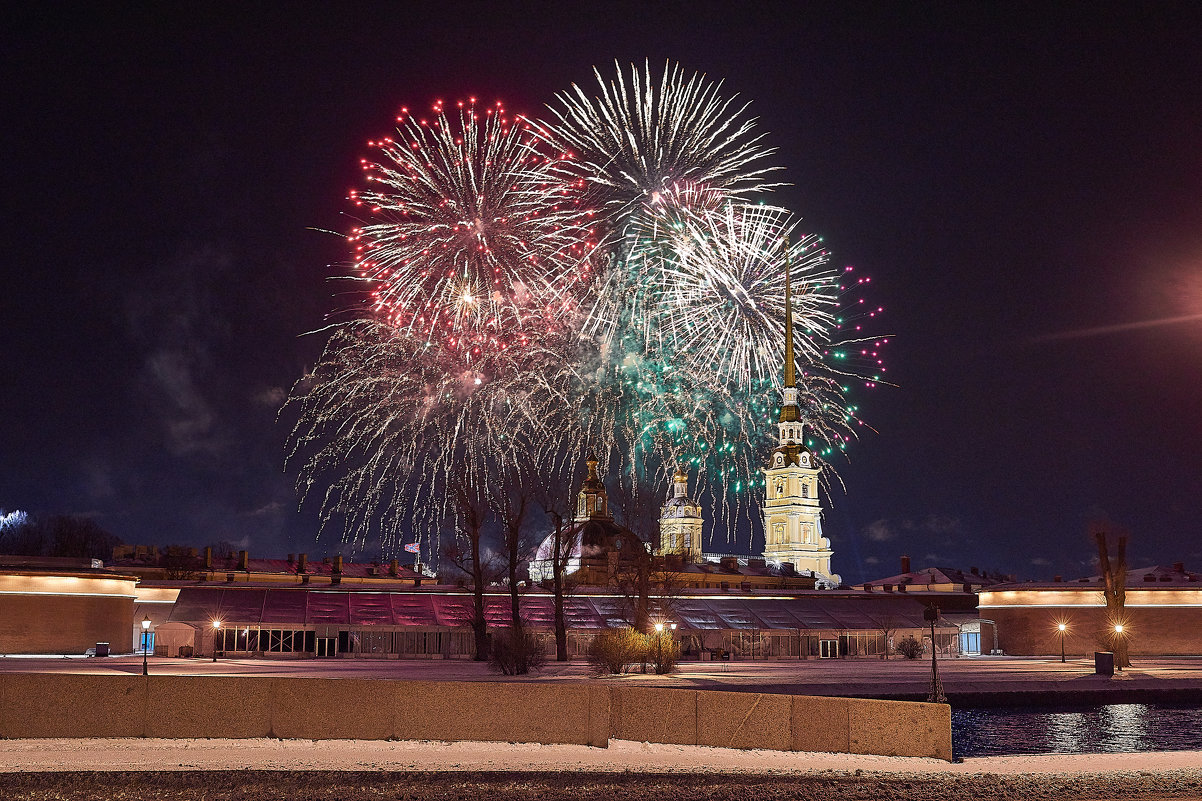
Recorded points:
591,502
680,521
792,509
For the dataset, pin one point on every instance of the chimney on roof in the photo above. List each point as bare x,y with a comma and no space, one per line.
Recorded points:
394,568
337,564
291,558
1178,567
243,560
208,557
729,562
975,571
1057,579
302,563
788,568
905,564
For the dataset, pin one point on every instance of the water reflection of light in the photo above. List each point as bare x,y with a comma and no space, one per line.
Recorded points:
1123,726
1066,732
1107,729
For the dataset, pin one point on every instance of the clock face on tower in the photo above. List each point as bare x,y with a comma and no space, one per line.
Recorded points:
805,460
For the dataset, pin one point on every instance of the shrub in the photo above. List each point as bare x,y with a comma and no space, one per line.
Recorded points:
663,652
910,648
515,652
614,650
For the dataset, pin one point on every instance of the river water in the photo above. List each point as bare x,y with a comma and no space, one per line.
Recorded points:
1113,728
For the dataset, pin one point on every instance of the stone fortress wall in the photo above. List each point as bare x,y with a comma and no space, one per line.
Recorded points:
74,705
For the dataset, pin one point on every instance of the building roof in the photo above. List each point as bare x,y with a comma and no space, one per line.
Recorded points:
282,567
591,538
265,606
1141,578
936,575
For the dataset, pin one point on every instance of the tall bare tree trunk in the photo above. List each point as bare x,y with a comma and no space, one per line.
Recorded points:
560,553
1114,582
479,620
469,525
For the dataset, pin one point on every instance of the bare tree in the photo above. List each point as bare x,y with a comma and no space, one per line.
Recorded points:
1114,586
179,564
562,542
510,500
466,554
887,625
558,481
631,574
60,535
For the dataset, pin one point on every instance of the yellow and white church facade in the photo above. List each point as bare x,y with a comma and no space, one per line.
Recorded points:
792,505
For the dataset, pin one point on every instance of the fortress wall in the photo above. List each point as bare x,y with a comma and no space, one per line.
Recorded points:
583,713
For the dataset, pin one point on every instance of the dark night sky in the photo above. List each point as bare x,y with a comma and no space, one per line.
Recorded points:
1004,173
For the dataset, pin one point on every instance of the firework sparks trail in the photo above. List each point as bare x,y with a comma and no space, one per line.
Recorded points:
639,138
389,427
12,520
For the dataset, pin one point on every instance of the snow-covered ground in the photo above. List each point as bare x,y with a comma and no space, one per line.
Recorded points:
263,754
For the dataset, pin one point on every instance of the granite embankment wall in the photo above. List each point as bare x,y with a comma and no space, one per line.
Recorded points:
72,705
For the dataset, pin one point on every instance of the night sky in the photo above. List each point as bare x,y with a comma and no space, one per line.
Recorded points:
1023,186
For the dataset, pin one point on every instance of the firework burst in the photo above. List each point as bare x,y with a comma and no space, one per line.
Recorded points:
640,137
475,242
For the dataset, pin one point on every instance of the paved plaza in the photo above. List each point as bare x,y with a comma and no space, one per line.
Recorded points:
965,680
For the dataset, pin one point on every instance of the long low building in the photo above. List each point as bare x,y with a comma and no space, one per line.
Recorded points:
1162,614
341,621
63,606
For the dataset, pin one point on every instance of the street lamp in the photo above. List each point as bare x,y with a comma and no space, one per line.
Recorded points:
216,631
931,615
1118,633
145,635
659,646
1063,627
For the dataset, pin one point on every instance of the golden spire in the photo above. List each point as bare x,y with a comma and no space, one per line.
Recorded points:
789,412
790,378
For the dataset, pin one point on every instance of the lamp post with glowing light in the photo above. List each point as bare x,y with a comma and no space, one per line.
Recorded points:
216,632
145,640
1118,633
659,646
1062,628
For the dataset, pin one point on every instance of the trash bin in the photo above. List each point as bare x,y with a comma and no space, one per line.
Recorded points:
102,649
1103,663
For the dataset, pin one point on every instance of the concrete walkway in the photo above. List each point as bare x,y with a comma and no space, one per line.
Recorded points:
966,681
